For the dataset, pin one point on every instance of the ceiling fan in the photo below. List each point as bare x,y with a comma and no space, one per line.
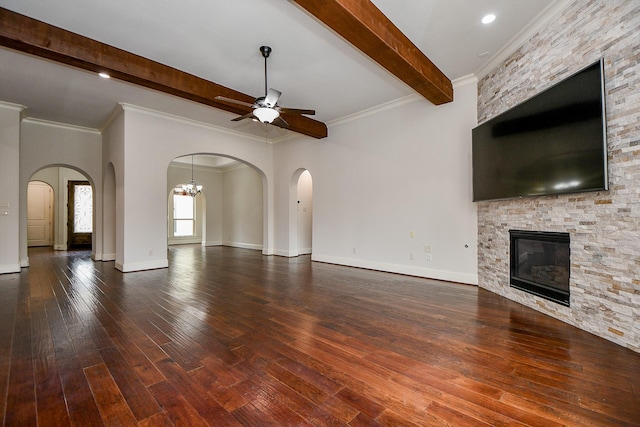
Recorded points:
266,108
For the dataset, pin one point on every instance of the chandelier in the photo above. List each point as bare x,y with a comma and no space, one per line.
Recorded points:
190,189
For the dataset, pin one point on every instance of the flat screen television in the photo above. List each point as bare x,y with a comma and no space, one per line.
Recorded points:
553,143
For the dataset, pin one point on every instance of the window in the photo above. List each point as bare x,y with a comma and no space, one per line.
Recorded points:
183,218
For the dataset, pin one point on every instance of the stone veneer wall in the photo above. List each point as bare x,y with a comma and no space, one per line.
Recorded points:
604,226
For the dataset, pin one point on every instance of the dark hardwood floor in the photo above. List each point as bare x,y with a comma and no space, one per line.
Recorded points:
230,337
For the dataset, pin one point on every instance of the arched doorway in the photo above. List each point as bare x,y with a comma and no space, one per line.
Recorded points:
70,214
302,219
229,211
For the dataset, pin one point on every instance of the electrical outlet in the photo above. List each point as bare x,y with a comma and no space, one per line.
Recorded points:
412,256
355,251
429,258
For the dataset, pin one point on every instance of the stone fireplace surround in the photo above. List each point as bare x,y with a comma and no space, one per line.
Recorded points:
604,226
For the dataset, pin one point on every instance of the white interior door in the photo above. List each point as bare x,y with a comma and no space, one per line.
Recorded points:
39,214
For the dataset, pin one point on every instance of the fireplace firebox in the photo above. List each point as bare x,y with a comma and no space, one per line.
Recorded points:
540,264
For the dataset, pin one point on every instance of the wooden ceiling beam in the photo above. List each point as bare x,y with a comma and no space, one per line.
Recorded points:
362,24
28,35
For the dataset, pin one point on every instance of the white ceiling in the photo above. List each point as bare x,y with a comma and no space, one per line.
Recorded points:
219,39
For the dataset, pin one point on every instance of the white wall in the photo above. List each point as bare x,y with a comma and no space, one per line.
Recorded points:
49,175
242,208
109,212
386,176
44,144
151,141
10,188
113,167
399,171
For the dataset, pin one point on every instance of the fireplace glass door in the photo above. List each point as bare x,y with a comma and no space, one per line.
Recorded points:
540,264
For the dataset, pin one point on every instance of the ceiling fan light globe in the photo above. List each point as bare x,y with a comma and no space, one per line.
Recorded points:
265,114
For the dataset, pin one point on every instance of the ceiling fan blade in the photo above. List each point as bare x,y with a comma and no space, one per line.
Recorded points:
297,111
272,98
233,101
245,116
280,122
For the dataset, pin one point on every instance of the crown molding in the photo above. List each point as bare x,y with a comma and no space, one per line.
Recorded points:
61,125
549,13
184,120
12,106
469,79
461,81
115,112
375,110
287,137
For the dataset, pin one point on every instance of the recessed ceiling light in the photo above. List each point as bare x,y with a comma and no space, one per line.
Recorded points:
104,75
488,19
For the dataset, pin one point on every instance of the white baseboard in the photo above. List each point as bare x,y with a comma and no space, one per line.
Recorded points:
141,266
108,257
430,273
10,268
242,245
292,253
288,254
183,241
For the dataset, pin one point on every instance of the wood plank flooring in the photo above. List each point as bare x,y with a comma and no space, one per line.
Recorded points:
229,337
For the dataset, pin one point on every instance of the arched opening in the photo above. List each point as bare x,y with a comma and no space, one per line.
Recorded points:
228,211
73,208
301,224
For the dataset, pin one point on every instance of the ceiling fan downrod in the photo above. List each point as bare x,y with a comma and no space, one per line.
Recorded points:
266,51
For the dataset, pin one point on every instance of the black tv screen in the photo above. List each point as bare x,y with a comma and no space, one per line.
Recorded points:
552,143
